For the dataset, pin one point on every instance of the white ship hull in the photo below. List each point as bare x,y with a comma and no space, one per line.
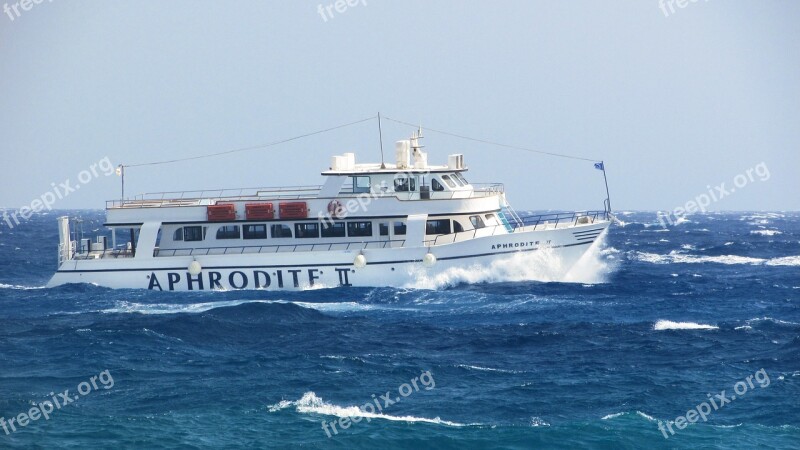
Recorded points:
394,267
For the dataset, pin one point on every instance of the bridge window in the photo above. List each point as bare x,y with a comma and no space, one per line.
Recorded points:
441,226
360,185
196,233
228,232
405,184
178,236
461,178
477,222
383,228
280,231
306,230
446,179
399,228
438,187
457,228
255,231
359,229
332,229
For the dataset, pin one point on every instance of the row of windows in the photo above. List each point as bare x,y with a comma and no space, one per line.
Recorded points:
323,229
301,230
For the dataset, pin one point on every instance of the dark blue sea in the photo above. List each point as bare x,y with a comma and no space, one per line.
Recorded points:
659,324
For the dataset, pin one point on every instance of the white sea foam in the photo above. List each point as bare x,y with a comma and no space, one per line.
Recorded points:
784,261
194,308
662,325
175,308
17,286
770,319
539,422
680,258
309,403
487,369
766,232
333,306
544,265
621,414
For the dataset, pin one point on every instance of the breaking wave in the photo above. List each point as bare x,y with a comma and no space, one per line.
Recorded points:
309,403
662,325
679,258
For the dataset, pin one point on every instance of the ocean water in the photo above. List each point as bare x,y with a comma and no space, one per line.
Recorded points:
654,323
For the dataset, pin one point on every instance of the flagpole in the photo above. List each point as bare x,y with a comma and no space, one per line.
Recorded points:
605,179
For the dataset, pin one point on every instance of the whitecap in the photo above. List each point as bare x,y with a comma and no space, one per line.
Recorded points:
310,403
662,325
766,232
539,422
487,369
17,286
784,261
174,308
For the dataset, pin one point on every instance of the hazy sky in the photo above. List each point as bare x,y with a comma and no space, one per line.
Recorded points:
675,104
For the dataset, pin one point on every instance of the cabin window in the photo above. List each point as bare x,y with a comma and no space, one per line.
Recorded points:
195,233
360,185
446,179
280,230
383,228
178,236
399,228
404,184
438,187
440,226
229,232
359,229
255,231
332,229
461,178
306,230
457,228
477,222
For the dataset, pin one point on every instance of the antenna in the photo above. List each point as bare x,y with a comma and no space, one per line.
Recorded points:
380,136
121,172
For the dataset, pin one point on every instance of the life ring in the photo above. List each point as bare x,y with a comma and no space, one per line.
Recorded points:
335,208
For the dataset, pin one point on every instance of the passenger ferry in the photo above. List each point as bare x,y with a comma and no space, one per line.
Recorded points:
367,225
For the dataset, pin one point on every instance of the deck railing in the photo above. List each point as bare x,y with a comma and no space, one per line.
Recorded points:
178,198
206,197
554,220
285,248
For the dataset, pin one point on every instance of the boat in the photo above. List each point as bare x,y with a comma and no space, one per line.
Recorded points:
369,224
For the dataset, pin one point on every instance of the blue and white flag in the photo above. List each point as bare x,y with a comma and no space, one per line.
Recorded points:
599,166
